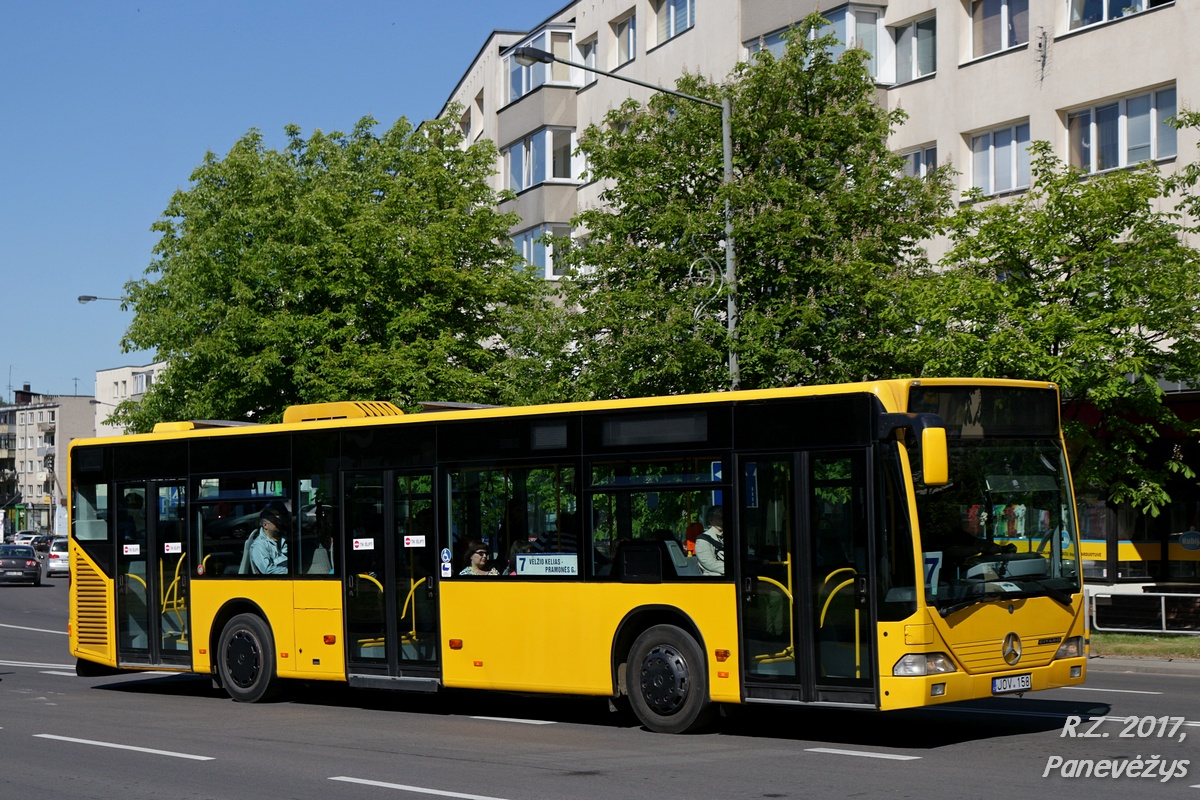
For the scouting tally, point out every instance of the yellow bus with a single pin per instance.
(852, 546)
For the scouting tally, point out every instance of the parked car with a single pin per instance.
(58, 563)
(19, 564)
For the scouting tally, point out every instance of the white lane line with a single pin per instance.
(863, 753)
(417, 789)
(1111, 691)
(123, 747)
(521, 721)
(36, 665)
(35, 630)
(59, 672)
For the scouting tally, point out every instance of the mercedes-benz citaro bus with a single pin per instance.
(880, 545)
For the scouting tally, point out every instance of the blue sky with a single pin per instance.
(108, 105)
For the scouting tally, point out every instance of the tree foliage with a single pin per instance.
(824, 224)
(1087, 282)
(356, 266)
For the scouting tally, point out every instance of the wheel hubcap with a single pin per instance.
(242, 659)
(664, 679)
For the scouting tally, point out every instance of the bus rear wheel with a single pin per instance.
(667, 681)
(246, 659)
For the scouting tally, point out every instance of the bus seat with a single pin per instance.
(247, 566)
(693, 530)
(640, 562)
(683, 565)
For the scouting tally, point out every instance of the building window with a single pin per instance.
(1123, 132)
(674, 17)
(1091, 12)
(920, 162)
(998, 25)
(1000, 159)
(589, 57)
(625, 30)
(542, 155)
(916, 49)
(522, 80)
(538, 253)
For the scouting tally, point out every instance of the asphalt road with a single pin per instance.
(156, 736)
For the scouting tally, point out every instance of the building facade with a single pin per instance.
(113, 386)
(979, 80)
(42, 427)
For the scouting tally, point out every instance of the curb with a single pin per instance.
(1160, 666)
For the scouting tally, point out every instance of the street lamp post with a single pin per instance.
(527, 56)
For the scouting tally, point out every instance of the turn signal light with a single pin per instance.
(330, 638)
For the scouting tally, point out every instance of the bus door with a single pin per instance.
(152, 574)
(807, 623)
(390, 552)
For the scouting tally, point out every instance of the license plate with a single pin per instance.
(1012, 683)
(15, 572)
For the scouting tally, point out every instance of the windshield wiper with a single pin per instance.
(982, 597)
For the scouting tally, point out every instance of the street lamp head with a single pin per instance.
(87, 298)
(528, 56)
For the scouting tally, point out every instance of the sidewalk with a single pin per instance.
(1160, 666)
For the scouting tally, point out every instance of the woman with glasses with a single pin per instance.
(477, 560)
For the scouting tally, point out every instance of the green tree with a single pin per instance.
(825, 225)
(356, 266)
(1087, 282)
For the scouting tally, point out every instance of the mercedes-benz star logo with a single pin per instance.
(1011, 649)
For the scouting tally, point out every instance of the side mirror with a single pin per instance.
(935, 459)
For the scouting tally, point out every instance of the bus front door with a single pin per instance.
(151, 575)
(807, 623)
(390, 595)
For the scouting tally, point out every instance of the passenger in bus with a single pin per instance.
(517, 549)
(477, 560)
(268, 545)
(710, 545)
(563, 540)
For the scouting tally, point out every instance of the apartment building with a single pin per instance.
(113, 386)
(41, 428)
(979, 79)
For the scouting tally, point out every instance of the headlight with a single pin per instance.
(1070, 648)
(923, 664)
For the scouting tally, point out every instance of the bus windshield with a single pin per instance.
(1002, 527)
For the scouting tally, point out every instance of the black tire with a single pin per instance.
(37, 581)
(667, 680)
(246, 659)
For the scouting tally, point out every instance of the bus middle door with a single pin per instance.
(390, 601)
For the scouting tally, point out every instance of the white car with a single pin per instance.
(57, 560)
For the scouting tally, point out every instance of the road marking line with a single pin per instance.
(1112, 691)
(417, 789)
(35, 630)
(863, 753)
(521, 721)
(35, 665)
(123, 747)
(59, 672)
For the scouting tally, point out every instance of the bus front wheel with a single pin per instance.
(667, 681)
(246, 659)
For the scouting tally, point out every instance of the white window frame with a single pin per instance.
(984, 148)
(673, 17)
(1110, 10)
(521, 80)
(920, 161)
(907, 38)
(1009, 39)
(1084, 130)
(624, 39)
(589, 56)
(538, 254)
(530, 161)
